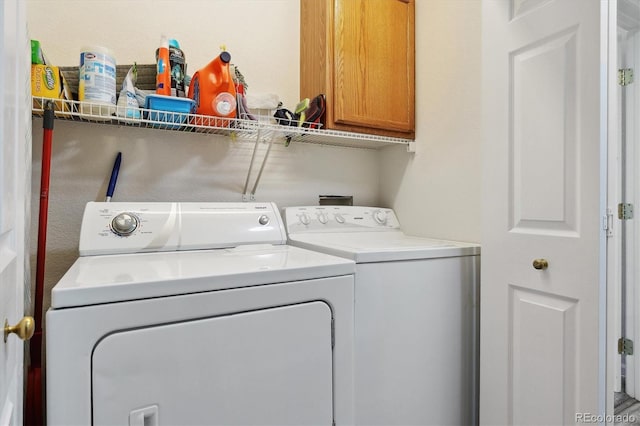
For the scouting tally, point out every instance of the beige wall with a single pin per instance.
(261, 35)
(263, 39)
(436, 192)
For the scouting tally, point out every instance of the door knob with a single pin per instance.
(540, 264)
(23, 329)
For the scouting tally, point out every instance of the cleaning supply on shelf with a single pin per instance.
(47, 81)
(314, 112)
(127, 103)
(308, 113)
(177, 68)
(242, 110)
(37, 57)
(178, 63)
(163, 72)
(168, 109)
(300, 111)
(263, 105)
(97, 81)
(141, 96)
(213, 89)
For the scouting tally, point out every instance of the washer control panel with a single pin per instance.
(125, 223)
(339, 219)
(112, 228)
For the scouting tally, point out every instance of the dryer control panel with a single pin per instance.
(340, 219)
(113, 228)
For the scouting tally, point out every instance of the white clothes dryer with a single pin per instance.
(416, 315)
(198, 314)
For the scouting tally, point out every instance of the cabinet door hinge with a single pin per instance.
(625, 211)
(625, 346)
(625, 76)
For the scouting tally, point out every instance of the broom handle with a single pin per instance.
(36, 342)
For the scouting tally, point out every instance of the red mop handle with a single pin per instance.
(47, 136)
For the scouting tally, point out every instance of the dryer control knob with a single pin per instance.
(305, 219)
(124, 224)
(323, 218)
(339, 218)
(380, 216)
(263, 220)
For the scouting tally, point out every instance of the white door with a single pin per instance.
(15, 172)
(541, 342)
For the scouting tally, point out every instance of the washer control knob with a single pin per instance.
(263, 220)
(305, 219)
(124, 224)
(380, 216)
(323, 218)
(339, 218)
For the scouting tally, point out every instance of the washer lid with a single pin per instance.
(365, 247)
(114, 278)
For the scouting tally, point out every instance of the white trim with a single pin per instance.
(607, 13)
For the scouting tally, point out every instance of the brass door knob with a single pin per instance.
(540, 264)
(23, 329)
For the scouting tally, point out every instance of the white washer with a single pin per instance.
(416, 315)
(208, 318)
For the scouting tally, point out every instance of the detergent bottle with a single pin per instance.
(213, 89)
(163, 75)
(177, 68)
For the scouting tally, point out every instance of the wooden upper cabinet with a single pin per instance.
(360, 54)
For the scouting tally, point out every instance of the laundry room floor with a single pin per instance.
(625, 406)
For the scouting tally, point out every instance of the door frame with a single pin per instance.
(609, 288)
(624, 318)
(608, 133)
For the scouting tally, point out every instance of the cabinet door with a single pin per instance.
(374, 64)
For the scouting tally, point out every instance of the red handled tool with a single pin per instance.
(34, 399)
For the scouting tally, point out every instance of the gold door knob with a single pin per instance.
(540, 264)
(23, 329)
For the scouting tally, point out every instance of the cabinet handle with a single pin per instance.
(405, 1)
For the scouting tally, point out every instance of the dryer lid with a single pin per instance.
(114, 278)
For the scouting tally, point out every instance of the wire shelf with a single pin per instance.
(262, 129)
